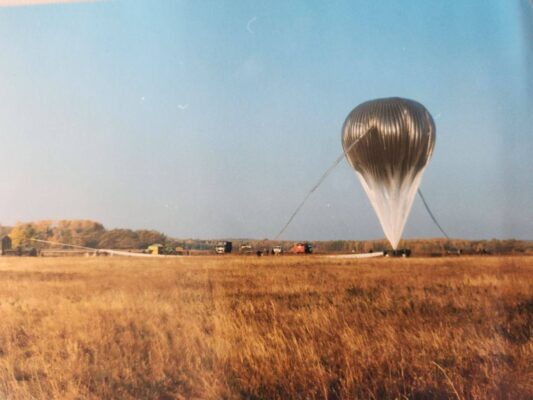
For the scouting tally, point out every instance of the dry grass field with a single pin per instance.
(266, 328)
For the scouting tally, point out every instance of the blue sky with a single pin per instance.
(213, 119)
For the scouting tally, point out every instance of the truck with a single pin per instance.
(223, 247)
(277, 250)
(246, 249)
(166, 250)
(302, 248)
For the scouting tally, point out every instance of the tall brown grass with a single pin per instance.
(274, 327)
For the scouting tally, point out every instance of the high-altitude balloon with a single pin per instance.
(389, 143)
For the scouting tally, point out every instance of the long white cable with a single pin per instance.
(106, 251)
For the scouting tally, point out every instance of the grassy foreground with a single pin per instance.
(287, 327)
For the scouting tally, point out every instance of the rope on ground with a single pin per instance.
(100, 251)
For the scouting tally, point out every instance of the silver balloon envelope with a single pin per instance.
(389, 143)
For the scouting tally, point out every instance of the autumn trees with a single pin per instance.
(83, 233)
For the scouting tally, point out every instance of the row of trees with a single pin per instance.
(429, 246)
(93, 234)
(82, 233)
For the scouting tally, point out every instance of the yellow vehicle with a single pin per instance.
(159, 249)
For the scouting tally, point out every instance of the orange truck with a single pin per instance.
(302, 248)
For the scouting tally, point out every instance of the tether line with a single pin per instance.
(431, 214)
(315, 187)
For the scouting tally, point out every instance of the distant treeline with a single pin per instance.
(82, 233)
(93, 234)
(432, 246)
(429, 246)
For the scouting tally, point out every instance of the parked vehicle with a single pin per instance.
(159, 249)
(246, 249)
(302, 248)
(277, 250)
(224, 247)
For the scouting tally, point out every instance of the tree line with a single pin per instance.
(93, 234)
(84, 233)
(430, 246)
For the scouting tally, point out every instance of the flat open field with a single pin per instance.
(261, 328)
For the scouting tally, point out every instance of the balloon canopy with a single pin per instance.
(389, 143)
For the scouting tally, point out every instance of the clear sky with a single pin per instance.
(214, 118)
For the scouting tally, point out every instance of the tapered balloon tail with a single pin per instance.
(389, 142)
(392, 200)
